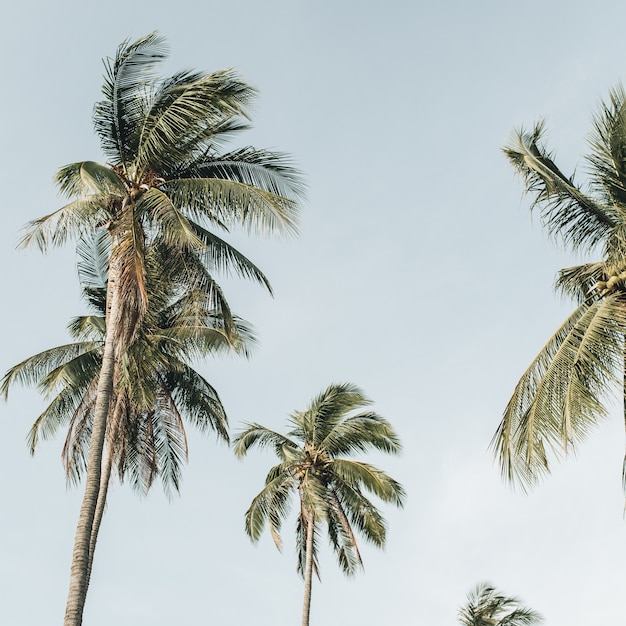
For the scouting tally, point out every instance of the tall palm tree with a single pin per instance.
(487, 607)
(314, 464)
(166, 183)
(155, 389)
(562, 395)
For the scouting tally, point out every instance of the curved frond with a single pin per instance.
(257, 435)
(69, 222)
(365, 476)
(126, 91)
(271, 505)
(559, 397)
(487, 607)
(87, 178)
(566, 210)
(183, 107)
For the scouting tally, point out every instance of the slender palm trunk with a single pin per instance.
(79, 573)
(308, 568)
(100, 506)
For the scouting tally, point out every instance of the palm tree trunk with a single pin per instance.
(308, 568)
(100, 506)
(79, 573)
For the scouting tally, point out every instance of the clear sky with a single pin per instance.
(418, 275)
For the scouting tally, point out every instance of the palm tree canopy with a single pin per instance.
(314, 463)
(486, 606)
(564, 392)
(156, 389)
(167, 179)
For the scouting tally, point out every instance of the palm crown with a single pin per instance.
(313, 463)
(562, 395)
(487, 607)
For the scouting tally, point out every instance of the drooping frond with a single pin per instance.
(582, 282)
(342, 537)
(70, 222)
(257, 435)
(566, 211)
(50, 367)
(362, 475)
(86, 178)
(94, 251)
(271, 505)
(301, 533)
(560, 396)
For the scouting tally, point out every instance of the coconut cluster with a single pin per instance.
(613, 283)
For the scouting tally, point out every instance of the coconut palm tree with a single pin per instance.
(155, 389)
(562, 395)
(167, 182)
(314, 464)
(487, 607)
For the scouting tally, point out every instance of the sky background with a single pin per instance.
(419, 275)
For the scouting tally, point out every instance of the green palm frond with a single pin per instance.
(67, 403)
(47, 365)
(94, 251)
(582, 282)
(560, 397)
(126, 88)
(608, 152)
(88, 178)
(485, 606)
(362, 432)
(565, 209)
(271, 505)
(363, 515)
(176, 230)
(301, 531)
(183, 108)
(222, 257)
(234, 203)
(257, 435)
(71, 221)
(362, 475)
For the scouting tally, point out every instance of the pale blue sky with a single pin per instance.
(419, 275)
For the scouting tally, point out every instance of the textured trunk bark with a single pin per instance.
(308, 569)
(79, 573)
(100, 506)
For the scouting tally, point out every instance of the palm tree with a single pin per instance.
(487, 607)
(313, 463)
(166, 183)
(155, 389)
(562, 395)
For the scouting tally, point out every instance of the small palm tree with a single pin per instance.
(487, 607)
(314, 464)
(562, 395)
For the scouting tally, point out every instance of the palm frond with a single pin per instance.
(566, 211)
(183, 107)
(126, 91)
(88, 178)
(271, 505)
(257, 435)
(560, 396)
(362, 475)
